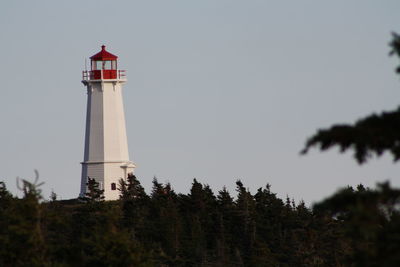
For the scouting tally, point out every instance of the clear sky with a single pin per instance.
(219, 90)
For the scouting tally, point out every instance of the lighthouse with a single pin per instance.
(106, 157)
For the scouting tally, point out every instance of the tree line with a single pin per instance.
(354, 227)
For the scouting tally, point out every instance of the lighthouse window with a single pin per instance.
(113, 186)
(99, 65)
(107, 65)
(104, 65)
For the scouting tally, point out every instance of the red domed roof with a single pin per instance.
(103, 55)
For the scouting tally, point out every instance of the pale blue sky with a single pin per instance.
(217, 90)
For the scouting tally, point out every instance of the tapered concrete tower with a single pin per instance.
(106, 157)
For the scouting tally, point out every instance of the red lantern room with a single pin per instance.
(103, 67)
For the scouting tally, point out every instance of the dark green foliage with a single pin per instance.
(93, 194)
(135, 203)
(374, 134)
(21, 236)
(371, 222)
(166, 229)
(354, 227)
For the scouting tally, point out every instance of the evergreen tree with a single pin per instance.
(94, 193)
(269, 210)
(135, 203)
(53, 196)
(166, 225)
(224, 225)
(246, 226)
(21, 237)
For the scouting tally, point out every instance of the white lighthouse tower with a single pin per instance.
(106, 157)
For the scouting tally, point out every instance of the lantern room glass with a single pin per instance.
(98, 65)
(104, 65)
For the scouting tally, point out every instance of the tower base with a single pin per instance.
(107, 174)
